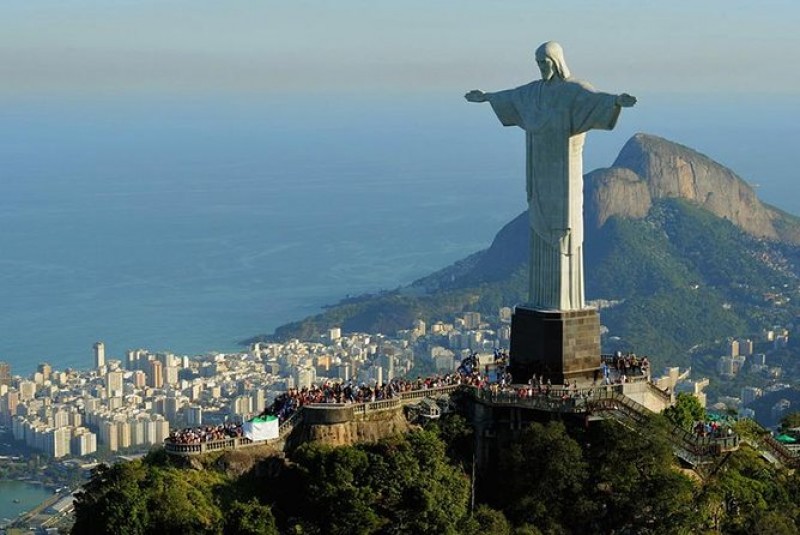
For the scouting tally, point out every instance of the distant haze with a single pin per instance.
(713, 46)
(180, 175)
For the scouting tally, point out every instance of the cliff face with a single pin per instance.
(371, 428)
(650, 168)
(615, 191)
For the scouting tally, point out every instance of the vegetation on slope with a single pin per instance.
(550, 479)
(683, 276)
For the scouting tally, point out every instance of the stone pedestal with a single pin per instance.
(556, 344)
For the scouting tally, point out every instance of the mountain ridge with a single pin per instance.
(649, 167)
(700, 240)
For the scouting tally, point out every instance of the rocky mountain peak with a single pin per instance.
(650, 168)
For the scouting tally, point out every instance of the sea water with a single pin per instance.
(188, 224)
(16, 497)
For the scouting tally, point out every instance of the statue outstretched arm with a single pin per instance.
(476, 95)
(625, 100)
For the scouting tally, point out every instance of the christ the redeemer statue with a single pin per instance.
(555, 112)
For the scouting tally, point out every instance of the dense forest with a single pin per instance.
(551, 478)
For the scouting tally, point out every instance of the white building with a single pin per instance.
(83, 442)
(99, 354)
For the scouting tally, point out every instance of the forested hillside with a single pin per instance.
(551, 479)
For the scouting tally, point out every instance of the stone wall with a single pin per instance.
(368, 428)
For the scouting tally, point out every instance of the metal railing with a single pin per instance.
(290, 423)
(608, 399)
(781, 452)
(210, 446)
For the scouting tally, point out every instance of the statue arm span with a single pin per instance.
(504, 107)
(593, 110)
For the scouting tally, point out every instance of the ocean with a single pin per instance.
(189, 223)
(16, 497)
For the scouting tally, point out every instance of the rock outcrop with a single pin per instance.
(650, 168)
(370, 428)
(615, 191)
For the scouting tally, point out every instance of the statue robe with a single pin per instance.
(555, 116)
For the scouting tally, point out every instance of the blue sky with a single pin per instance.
(164, 46)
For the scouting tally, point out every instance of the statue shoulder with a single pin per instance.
(579, 85)
(523, 92)
(530, 86)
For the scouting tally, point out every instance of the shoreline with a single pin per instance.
(34, 508)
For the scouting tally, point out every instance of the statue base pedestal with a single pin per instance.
(555, 344)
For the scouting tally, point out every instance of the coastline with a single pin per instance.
(28, 506)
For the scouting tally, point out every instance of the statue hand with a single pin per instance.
(625, 100)
(476, 95)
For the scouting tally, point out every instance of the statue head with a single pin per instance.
(550, 58)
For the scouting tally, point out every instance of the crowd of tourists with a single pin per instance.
(537, 388)
(711, 430)
(629, 364)
(206, 433)
(494, 381)
(287, 404)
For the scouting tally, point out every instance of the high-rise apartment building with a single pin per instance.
(387, 363)
(304, 377)
(123, 435)
(259, 400)
(745, 347)
(171, 375)
(99, 354)
(139, 379)
(114, 384)
(83, 442)
(171, 407)
(27, 390)
(109, 435)
(46, 370)
(749, 394)
(194, 415)
(57, 442)
(156, 376)
(241, 407)
(419, 327)
(5, 373)
(60, 418)
(472, 320)
(8, 406)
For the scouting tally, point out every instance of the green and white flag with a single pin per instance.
(262, 428)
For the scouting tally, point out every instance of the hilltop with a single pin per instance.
(680, 243)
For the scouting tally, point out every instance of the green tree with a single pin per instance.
(790, 421)
(632, 476)
(750, 495)
(421, 491)
(135, 498)
(540, 479)
(339, 494)
(113, 501)
(183, 501)
(403, 484)
(774, 523)
(454, 430)
(686, 410)
(485, 520)
(249, 518)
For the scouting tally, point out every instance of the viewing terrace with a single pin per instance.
(596, 402)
